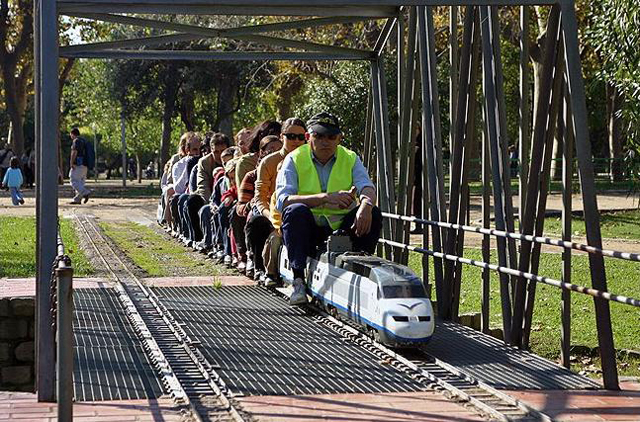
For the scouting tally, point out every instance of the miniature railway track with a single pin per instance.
(435, 373)
(188, 376)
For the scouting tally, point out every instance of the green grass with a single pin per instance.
(623, 278)
(613, 225)
(18, 247)
(155, 254)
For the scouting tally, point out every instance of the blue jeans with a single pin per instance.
(204, 213)
(302, 235)
(222, 225)
(16, 196)
(183, 224)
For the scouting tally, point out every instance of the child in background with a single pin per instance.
(13, 180)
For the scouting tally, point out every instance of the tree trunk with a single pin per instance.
(226, 99)
(186, 109)
(139, 167)
(170, 93)
(614, 105)
(15, 101)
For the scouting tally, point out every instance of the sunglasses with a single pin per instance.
(294, 136)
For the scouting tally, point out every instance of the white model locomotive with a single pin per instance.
(384, 298)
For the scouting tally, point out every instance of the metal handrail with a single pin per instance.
(522, 237)
(62, 310)
(529, 276)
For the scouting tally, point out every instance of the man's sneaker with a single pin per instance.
(242, 266)
(85, 198)
(257, 276)
(21, 201)
(74, 202)
(227, 260)
(234, 261)
(299, 295)
(270, 281)
(250, 268)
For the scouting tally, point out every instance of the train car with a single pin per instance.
(385, 299)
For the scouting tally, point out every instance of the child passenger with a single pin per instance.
(13, 180)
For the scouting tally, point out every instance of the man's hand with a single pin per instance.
(362, 223)
(227, 201)
(341, 199)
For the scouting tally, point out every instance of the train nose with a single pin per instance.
(409, 319)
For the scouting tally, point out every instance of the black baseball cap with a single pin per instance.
(324, 124)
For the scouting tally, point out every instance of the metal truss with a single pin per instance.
(561, 110)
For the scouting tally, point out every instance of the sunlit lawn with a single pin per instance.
(623, 278)
(18, 246)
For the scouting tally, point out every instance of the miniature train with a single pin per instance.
(385, 299)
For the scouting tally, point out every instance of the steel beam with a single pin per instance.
(541, 127)
(300, 3)
(579, 123)
(384, 35)
(215, 55)
(556, 101)
(453, 75)
(465, 132)
(567, 190)
(216, 33)
(130, 43)
(524, 128)
(384, 201)
(431, 135)
(376, 12)
(47, 200)
(486, 223)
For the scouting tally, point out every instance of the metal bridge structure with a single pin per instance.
(560, 111)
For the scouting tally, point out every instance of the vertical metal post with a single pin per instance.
(579, 125)
(368, 129)
(401, 75)
(124, 149)
(486, 239)
(543, 111)
(567, 173)
(464, 134)
(453, 76)
(495, 134)
(430, 133)
(525, 112)
(382, 186)
(405, 182)
(47, 200)
(64, 364)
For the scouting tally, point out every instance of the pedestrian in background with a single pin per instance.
(13, 180)
(78, 164)
(6, 154)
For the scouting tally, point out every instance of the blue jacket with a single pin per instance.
(12, 178)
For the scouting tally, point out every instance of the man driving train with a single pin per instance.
(321, 187)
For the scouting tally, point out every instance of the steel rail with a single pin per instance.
(155, 351)
(525, 237)
(510, 271)
(455, 382)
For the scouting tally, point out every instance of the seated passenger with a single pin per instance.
(322, 187)
(220, 185)
(263, 228)
(167, 188)
(246, 163)
(216, 143)
(180, 174)
(245, 208)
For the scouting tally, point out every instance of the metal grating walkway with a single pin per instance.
(110, 363)
(491, 361)
(262, 346)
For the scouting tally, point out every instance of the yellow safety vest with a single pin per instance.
(341, 178)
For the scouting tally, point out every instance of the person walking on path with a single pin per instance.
(321, 187)
(78, 167)
(13, 180)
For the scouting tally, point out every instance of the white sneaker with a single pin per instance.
(299, 295)
(227, 260)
